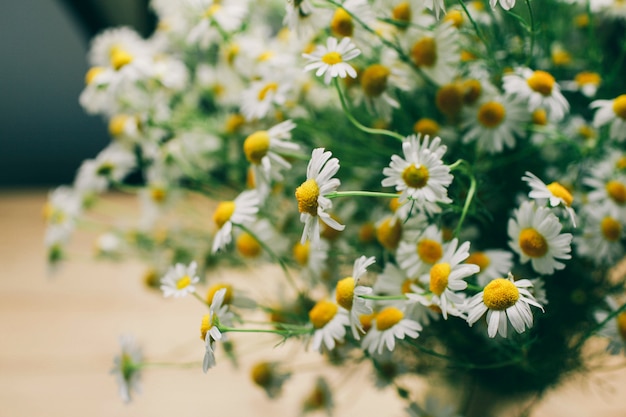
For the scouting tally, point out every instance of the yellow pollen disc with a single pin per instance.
(449, 99)
(183, 282)
(269, 87)
(93, 73)
(367, 232)
(429, 250)
(467, 56)
(583, 78)
(210, 12)
(617, 191)
(582, 20)
(248, 246)
(328, 232)
(425, 126)
(307, 195)
(117, 124)
(586, 132)
(228, 295)
(447, 234)
(394, 204)
(265, 56)
(345, 293)
(222, 214)
(256, 146)
(533, 244)
(152, 278)
(119, 58)
(619, 106)
(455, 17)
(541, 82)
(322, 313)
(415, 177)
(561, 192)
(439, 274)
(478, 5)
(234, 122)
(500, 294)
(402, 12)
(491, 114)
(261, 374)
(389, 233)
(621, 324)
(374, 80)
(406, 286)
(611, 229)
(158, 194)
(301, 252)
(205, 326)
(341, 23)
(424, 52)
(621, 164)
(540, 117)
(480, 259)
(561, 58)
(472, 89)
(388, 317)
(332, 58)
(366, 321)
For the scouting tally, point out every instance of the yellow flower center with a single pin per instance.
(586, 77)
(234, 122)
(540, 117)
(52, 215)
(301, 252)
(374, 80)
(425, 126)
(117, 124)
(619, 106)
(256, 146)
(345, 293)
(322, 313)
(429, 251)
(621, 324)
(480, 259)
(205, 326)
(561, 58)
(449, 99)
(586, 132)
(467, 56)
(472, 89)
(341, 24)
(402, 12)
(331, 58)
(533, 244)
(415, 177)
(620, 165)
(388, 317)
(307, 195)
(406, 286)
(269, 87)
(561, 192)
(265, 56)
(183, 282)
(611, 229)
(328, 232)
(500, 294)
(581, 20)
(366, 321)
(439, 274)
(367, 232)
(389, 233)
(248, 246)
(93, 73)
(617, 191)
(119, 58)
(541, 82)
(222, 214)
(424, 52)
(455, 17)
(261, 374)
(158, 194)
(228, 295)
(491, 114)
(210, 12)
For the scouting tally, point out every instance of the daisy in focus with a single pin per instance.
(554, 193)
(417, 256)
(127, 368)
(348, 292)
(329, 323)
(613, 114)
(539, 89)
(505, 301)
(209, 329)
(330, 60)
(389, 324)
(239, 211)
(180, 280)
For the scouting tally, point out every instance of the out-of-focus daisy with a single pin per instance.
(209, 331)
(239, 211)
(112, 164)
(493, 263)
(388, 325)
(586, 82)
(536, 236)
(602, 235)
(539, 89)
(270, 376)
(609, 190)
(554, 193)
(180, 280)
(312, 203)
(312, 259)
(109, 245)
(329, 321)
(62, 209)
(330, 60)
(347, 294)
(127, 368)
(208, 17)
(421, 175)
(342, 25)
(436, 53)
(302, 17)
(505, 4)
(612, 113)
(417, 256)
(320, 398)
(262, 95)
(436, 6)
(248, 244)
(505, 301)
(614, 329)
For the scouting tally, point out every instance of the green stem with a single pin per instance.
(532, 30)
(468, 201)
(600, 325)
(336, 194)
(460, 364)
(383, 297)
(199, 297)
(474, 24)
(284, 333)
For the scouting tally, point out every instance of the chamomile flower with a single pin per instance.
(601, 240)
(302, 17)
(539, 89)
(586, 82)
(614, 329)
(127, 368)
(112, 164)
(389, 324)
(554, 193)
(248, 243)
(62, 209)
(329, 322)
(505, 301)
(209, 330)
(313, 259)
(535, 235)
(607, 189)
(263, 95)
(270, 376)
(505, 4)
(239, 211)
(493, 263)
(417, 256)
(348, 292)
(612, 113)
(436, 53)
(421, 175)
(209, 18)
(312, 203)
(330, 60)
(179, 280)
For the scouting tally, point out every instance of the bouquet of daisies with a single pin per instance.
(441, 184)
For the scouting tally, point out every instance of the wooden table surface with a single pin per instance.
(59, 333)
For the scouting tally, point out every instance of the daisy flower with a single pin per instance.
(417, 256)
(554, 193)
(112, 164)
(62, 209)
(586, 82)
(348, 292)
(207, 18)
(248, 245)
(330, 60)
(179, 280)
(239, 211)
(312, 203)
(612, 113)
(614, 329)
(436, 6)
(421, 175)
(262, 95)
(536, 236)
(505, 4)
(607, 189)
(601, 237)
(329, 321)
(313, 259)
(493, 263)
(127, 367)
(388, 325)
(538, 89)
(504, 300)
(302, 17)
(209, 331)
(436, 53)
(270, 377)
